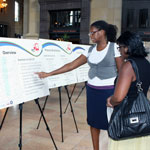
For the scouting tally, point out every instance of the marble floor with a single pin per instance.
(39, 139)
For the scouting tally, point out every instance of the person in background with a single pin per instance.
(104, 61)
(131, 47)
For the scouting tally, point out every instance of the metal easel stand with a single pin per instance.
(47, 127)
(60, 104)
(20, 131)
(61, 119)
(42, 111)
(69, 98)
(1, 125)
(80, 93)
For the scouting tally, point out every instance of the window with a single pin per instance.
(65, 18)
(130, 18)
(16, 11)
(143, 18)
(3, 30)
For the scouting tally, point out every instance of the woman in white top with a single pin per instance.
(104, 61)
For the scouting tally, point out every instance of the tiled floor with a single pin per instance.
(33, 139)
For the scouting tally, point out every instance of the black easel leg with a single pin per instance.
(80, 92)
(61, 119)
(42, 111)
(69, 98)
(47, 127)
(4, 118)
(20, 133)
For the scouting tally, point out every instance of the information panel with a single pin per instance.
(19, 60)
(56, 54)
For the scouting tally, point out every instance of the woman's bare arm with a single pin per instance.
(119, 62)
(126, 76)
(68, 67)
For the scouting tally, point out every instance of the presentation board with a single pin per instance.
(19, 60)
(56, 54)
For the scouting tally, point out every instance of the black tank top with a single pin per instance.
(144, 74)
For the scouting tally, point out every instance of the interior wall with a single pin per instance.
(7, 18)
(108, 10)
(48, 5)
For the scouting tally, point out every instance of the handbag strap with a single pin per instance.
(135, 68)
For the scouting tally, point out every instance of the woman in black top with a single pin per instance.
(131, 47)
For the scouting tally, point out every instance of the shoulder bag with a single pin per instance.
(131, 118)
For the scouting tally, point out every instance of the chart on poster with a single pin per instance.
(19, 60)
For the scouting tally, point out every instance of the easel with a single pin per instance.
(80, 92)
(4, 118)
(42, 111)
(70, 97)
(20, 131)
(60, 104)
(72, 94)
(47, 127)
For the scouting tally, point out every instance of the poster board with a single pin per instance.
(56, 54)
(19, 60)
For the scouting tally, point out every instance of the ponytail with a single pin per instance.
(111, 33)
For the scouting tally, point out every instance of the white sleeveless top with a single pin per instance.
(96, 57)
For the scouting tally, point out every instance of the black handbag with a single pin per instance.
(131, 118)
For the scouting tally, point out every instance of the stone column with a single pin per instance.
(85, 21)
(31, 19)
(108, 10)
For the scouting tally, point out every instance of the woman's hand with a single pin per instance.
(108, 102)
(42, 74)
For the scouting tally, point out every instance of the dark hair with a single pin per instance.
(110, 30)
(133, 42)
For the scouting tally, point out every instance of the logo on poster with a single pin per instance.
(35, 47)
(68, 47)
(11, 102)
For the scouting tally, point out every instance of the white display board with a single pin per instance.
(56, 54)
(82, 71)
(19, 60)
